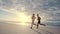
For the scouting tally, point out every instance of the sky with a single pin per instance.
(14, 10)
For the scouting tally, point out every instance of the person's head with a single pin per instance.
(33, 14)
(38, 15)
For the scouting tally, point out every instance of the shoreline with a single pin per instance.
(9, 28)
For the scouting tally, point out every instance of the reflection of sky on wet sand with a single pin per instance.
(12, 28)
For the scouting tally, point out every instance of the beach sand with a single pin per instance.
(7, 28)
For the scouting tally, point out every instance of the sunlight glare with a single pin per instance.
(23, 18)
(23, 24)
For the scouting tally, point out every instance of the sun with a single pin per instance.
(22, 17)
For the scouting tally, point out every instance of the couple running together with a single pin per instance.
(38, 19)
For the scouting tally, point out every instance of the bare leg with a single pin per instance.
(37, 25)
(42, 24)
(32, 24)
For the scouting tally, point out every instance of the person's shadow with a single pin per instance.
(36, 31)
(47, 32)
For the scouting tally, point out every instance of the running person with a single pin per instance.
(39, 21)
(33, 19)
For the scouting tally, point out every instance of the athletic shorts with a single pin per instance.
(38, 22)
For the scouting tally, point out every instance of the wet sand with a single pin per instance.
(7, 28)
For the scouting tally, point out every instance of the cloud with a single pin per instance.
(50, 9)
(7, 15)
